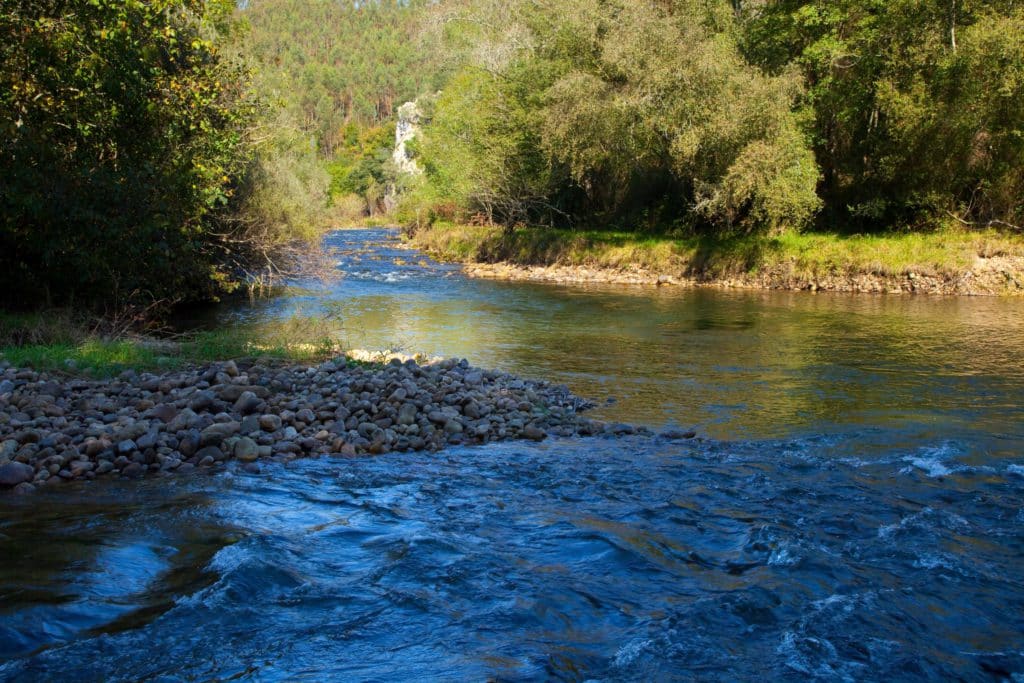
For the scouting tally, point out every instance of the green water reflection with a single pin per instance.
(733, 364)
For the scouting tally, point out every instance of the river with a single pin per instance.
(853, 507)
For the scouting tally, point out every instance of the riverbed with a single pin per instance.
(852, 509)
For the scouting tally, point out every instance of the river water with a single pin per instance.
(853, 508)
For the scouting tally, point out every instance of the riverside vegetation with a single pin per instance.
(731, 123)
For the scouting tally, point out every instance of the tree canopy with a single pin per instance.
(726, 116)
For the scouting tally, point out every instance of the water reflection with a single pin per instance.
(733, 364)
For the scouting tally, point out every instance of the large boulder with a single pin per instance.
(216, 433)
(14, 473)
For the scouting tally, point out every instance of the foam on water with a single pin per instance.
(936, 461)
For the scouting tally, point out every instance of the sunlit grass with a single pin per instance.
(74, 349)
(812, 254)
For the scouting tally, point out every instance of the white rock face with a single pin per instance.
(408, 125)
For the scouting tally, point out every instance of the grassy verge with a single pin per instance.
(943, 253)
(58, 341)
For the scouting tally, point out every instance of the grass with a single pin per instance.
(59, 341)
(944, 252)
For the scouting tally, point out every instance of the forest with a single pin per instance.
(751, 117)
(180, 150)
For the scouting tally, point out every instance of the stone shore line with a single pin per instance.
(996, 276)
(55, 429)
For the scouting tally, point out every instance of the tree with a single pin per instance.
(124, 125)
(564, 114)
(913, 105)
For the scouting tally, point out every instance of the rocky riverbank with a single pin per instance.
(944, 263)
(995, 276)
(55, 429)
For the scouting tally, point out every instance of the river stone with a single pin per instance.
(210, 452)
(216, 433)
(453, 427)
(133, 470)
(251, 468)
(28, 436)
(248, 403)
(407, 414)
(675, 434)
(6, 386)
(80, 467)
(246, 450)
(189, 443)
(270, 423)
(104, 467)
(250, 425)
(367, 430)
(534, 433)
(14, 473)
(233, 392)
(203, 400)
(126, 446)
(472, 410)
(347, 450)
(147, 441)
(164, 412)
(182, 420)
(95, 447)
(306, 415)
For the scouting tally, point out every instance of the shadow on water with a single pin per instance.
(853, 510)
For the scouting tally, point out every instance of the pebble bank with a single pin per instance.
(55, 428)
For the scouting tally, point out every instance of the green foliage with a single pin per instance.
(483, 150)
(340, 62)
(282, 199)
(123, 128)
(340, 69)
(566, 116)
(133, 166)
(914, 104)
(361, 166)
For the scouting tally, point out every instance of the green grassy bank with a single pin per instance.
(792, 260)
(60, 341)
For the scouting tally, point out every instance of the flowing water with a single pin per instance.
(853, 508)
